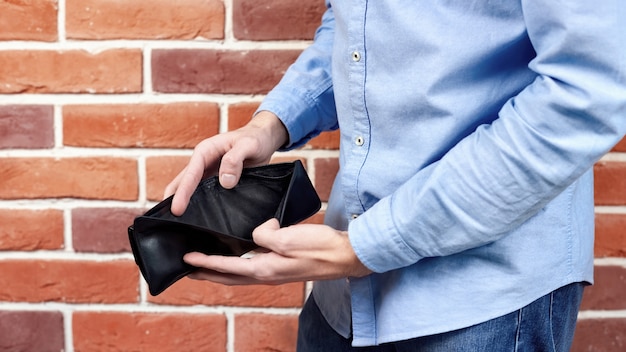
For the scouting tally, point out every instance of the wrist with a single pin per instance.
(272, 126)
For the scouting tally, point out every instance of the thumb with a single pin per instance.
(265, 234)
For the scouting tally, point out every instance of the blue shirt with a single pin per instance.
(468, 131)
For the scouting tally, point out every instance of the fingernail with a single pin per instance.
(228, 180)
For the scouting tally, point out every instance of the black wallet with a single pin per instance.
(218, 220)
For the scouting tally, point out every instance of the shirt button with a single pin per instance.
(354, 216)
(359, 141)
(356, 56)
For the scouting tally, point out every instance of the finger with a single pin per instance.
(221, 278)
(232, 163)
(230, 169)
(265, 234)
(222, 264)
(170, 189)
(186, 182)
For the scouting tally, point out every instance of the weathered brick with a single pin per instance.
(72, 281)
(26, 126)
(621, 146)
(72, 71)
(102, 230)
(610, 183)
(608, 291)
(600, 335)
(219, 71)
(176, 125)
(144, 19)
(31, 331)
(325, 172)
(121, 331)
(27, 230)
(240, 114)
(194, 292)
(265, 332)
(94, 178)
(28, 20)
(160, 171)
(276, 19)
(610, 238)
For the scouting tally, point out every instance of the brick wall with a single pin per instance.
(101, 102)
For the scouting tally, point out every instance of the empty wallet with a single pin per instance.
(218, 220)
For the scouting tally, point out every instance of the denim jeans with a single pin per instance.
(546, 324)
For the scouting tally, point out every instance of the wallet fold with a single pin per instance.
(218, 220)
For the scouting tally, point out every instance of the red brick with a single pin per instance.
(610, 238)
(608, 291)
(113, 331)
(264, 332)
(177, 125)
(160, 171)
(26, 126)
(144, 19)
(325, 172)
(71, 281)
(94, 178)
(610, 183)
(240, 114)
(28, 20)
(621, 146)
(27, 230)
(102, 230)
(219, 71)
(276, 19)
(31, 331)
(194, 292)
(72, 71)
(326, 140)
(600, 335)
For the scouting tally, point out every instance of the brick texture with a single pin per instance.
(233, 71)
(27, 230)
(28, 20)
(610, 183)
(179, 125)
(600, 335)
(31, 331)
(94, 178)
(68, 281)
(73, 71)
(264, 332)
(26, 126)
(102, 230)
(193, 292)
(609, 290)
(621, 146)
(610, 235)
(276, 19)
(112, 331)
(145, 19)
(160, 170)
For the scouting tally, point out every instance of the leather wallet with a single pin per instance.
(218, 220)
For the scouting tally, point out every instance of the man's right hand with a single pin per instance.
(227, 154)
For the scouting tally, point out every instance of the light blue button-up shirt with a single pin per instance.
(468, 131)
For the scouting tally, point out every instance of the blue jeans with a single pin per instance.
(547, 324)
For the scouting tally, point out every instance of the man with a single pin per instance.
(462, 214)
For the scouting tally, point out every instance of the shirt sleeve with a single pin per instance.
(303, 100)
(543, 140)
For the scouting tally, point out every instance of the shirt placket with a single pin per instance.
(363, 311)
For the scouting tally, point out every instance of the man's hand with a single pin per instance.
(251, 145)
(295, 253)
